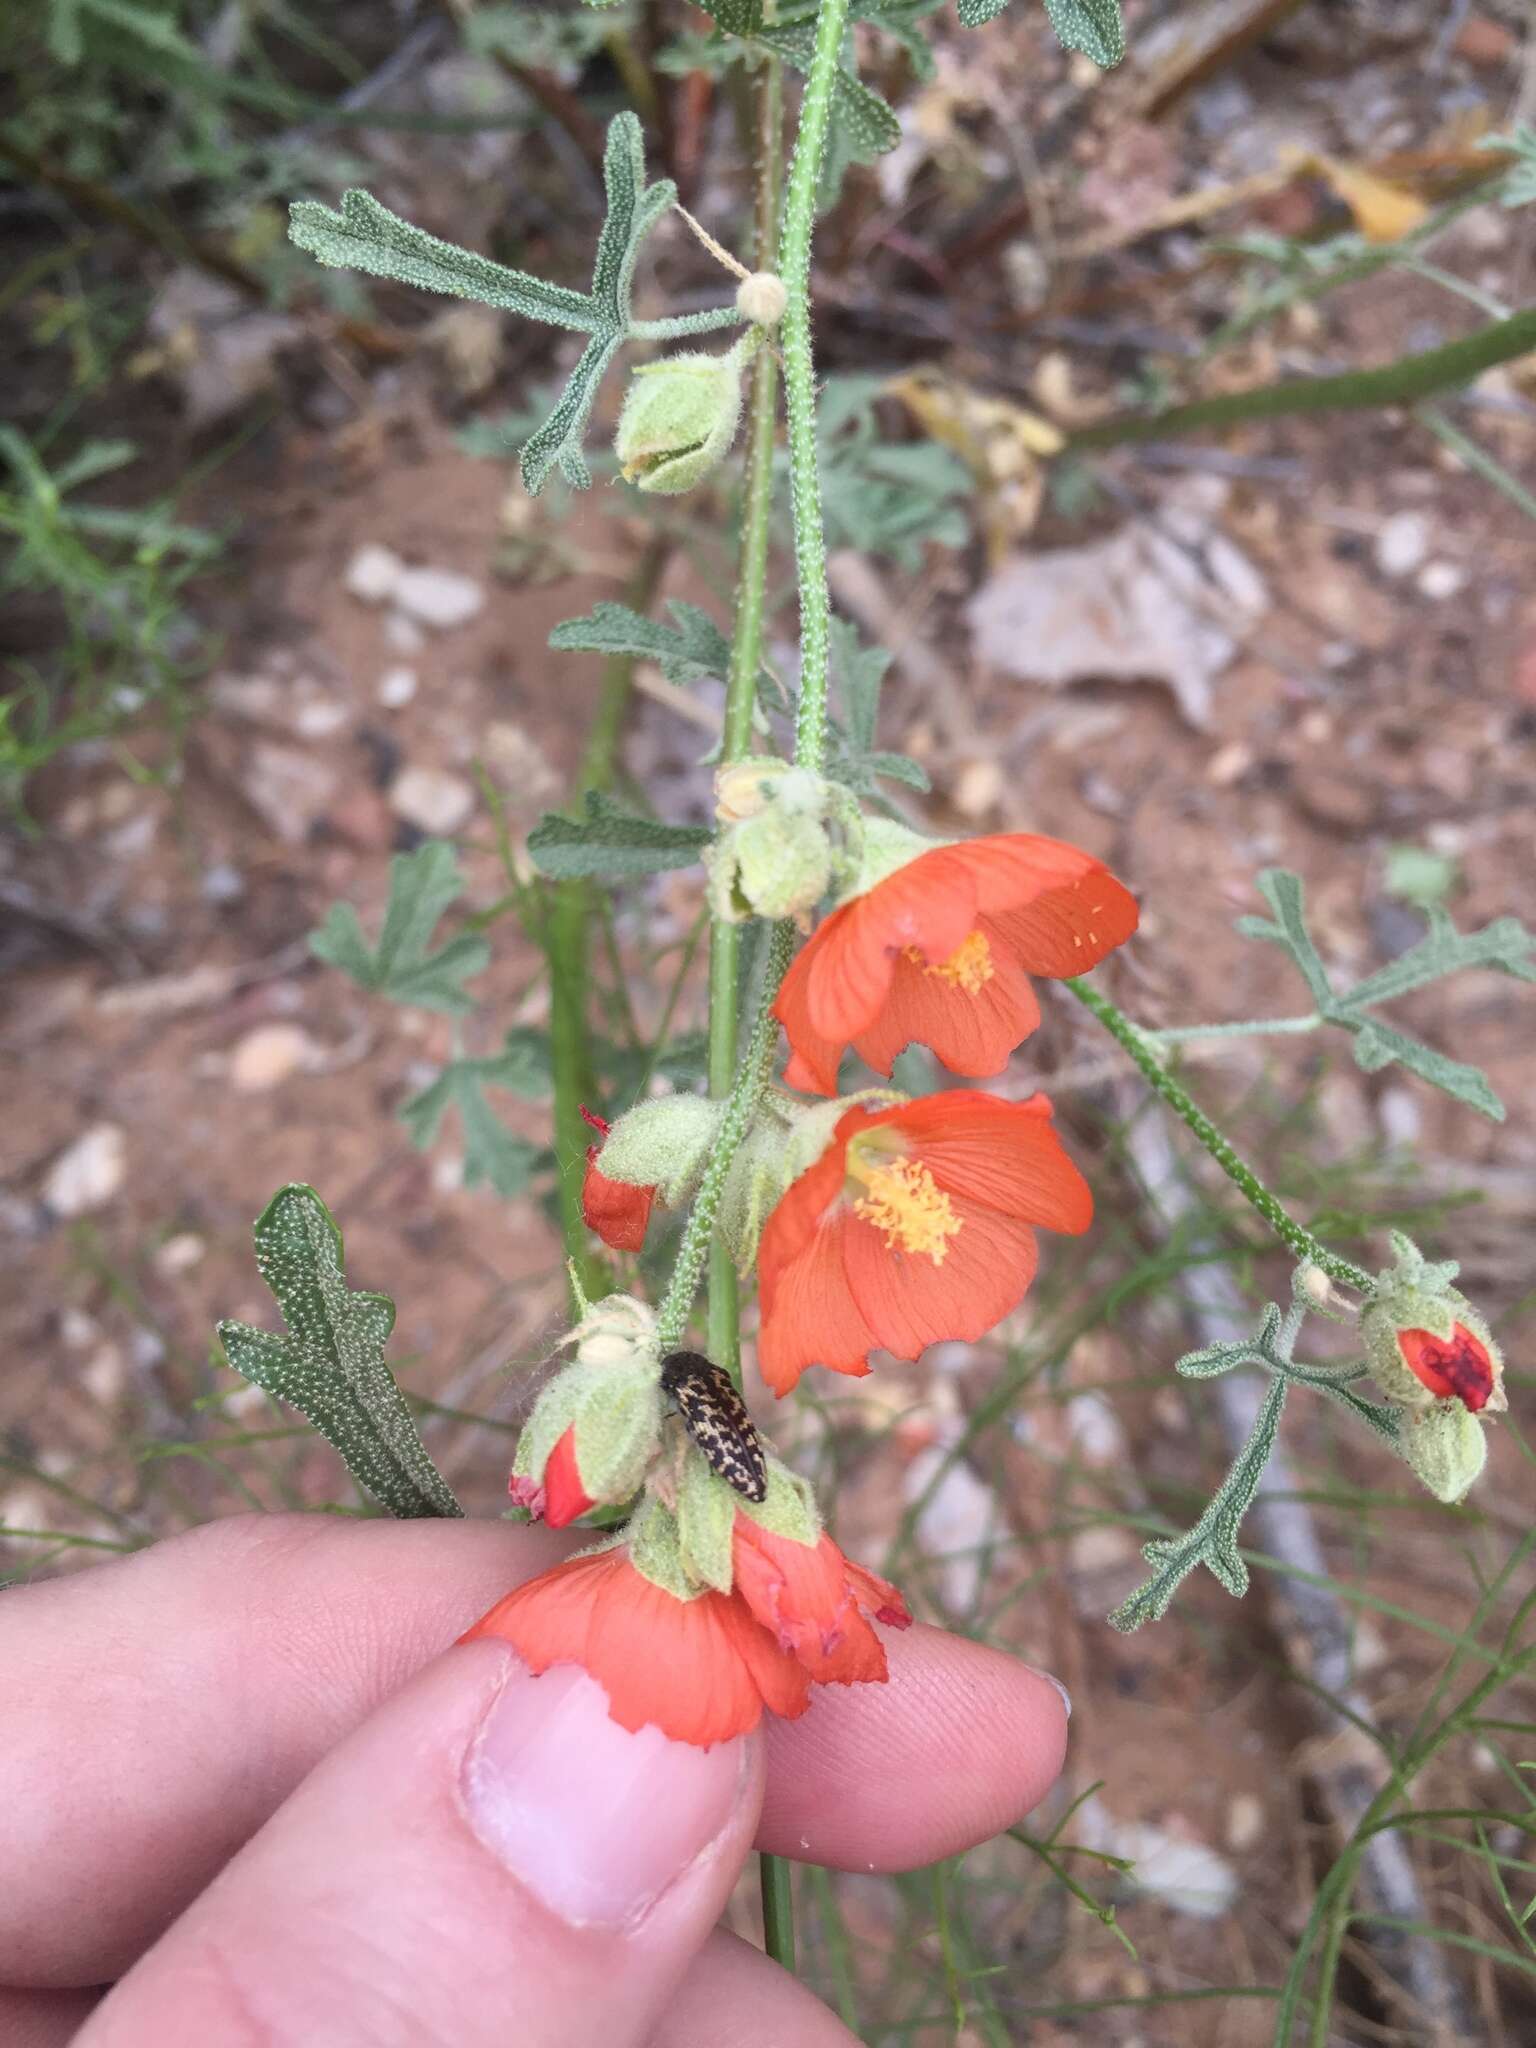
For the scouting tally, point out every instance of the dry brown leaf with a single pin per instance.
(1002, 444)
(1383, 212)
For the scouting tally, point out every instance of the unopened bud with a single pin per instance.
(679, 420)
(789, 836)
(1426, 1343)
(662, 1144)
(762, 298)
(1446, 1447)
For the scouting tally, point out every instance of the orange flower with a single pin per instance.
(912, 1227)
(808, 1596)
(939, 954)
(1459, 1367)
(564, 1495)
(702, 1670)
(618, 1212)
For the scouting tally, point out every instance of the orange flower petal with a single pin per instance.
(1070, 929)
(1004, 1154)
(909, 1302)
(929, 904)
(809, 1316)
(684, 1666)
(800, 1593)
(1458, 1367)
(814, 1058)
(971, 1034)
(877, 1595)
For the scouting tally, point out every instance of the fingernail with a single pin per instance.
(595, 1821)
(1051, 1679)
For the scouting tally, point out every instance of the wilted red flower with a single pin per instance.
(808, 1596)
(939, 954)
(913, 1226)
(700, 1670)
(1457, 1367)
(618, 1212)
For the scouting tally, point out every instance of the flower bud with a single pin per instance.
(1426, 1343)
(788, 836)
(662, 1145)
(1446, 1447)
(762, 298)
(617, 1209)
(595, 1428)
(678, 421)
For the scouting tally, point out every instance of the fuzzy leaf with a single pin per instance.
(1378, 1045)
(491, 1152)
(859, 673)
(613, 842)
(1286, 896)
(1505, 945)
(1092, 26)
(1213, 1540)
(422, 885)
(331, 1365)
(685, 652)
(366, 236)
(1265, 1347)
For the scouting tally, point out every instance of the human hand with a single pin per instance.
(241, 1785)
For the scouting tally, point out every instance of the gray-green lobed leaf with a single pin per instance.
(364, 235)
(491, 1152)
(692, 648)
(613, 842)
(1092, 26)
(331, 1365)
(422, 885)
(1505, 947)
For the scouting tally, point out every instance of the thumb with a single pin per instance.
(490, 1855)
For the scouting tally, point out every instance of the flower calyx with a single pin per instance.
(788, 839)
(680, 417)
(1426, 1343)
(595, 1428)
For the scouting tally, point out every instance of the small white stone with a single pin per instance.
(1440, 580)
(179, 1254)
(319, 718)
(88, 1173)
(978, 788)
(440, 598)
(270, 1055)
(431, 799)
(1402, 544)
(290, 789)
(397, 686)
(374, 573)
(1245, 1821)
(103, 1376)
(77, 1329)
(403, 635)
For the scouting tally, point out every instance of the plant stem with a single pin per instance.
(1399, 383)
(1263, 1027)
(566, 945)
(778, 1911)
(724, 1332)
(800, 385)
(1291, 1233)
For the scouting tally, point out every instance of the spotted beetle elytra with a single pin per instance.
(716, 1418)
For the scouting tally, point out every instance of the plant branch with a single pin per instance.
(1399, 383)
(1285, 1227)
(724, 1333)
(800, 384)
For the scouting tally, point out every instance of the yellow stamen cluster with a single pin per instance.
(902, 1199)
(969, 967)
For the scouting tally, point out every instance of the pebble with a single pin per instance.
(1439, 580)
(179, 1254)
(403, 635)
(1245, 1821)
(978, 788)
(1402, 544)
(270, 1055)
(1402, 1124)
(397, 686)
(88, 1173)
(374, 573)
(222, 883)
(319, 717)
(433, 800)
(104, 1376)
(440, 598)
(289, 790)
(77, 1329)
